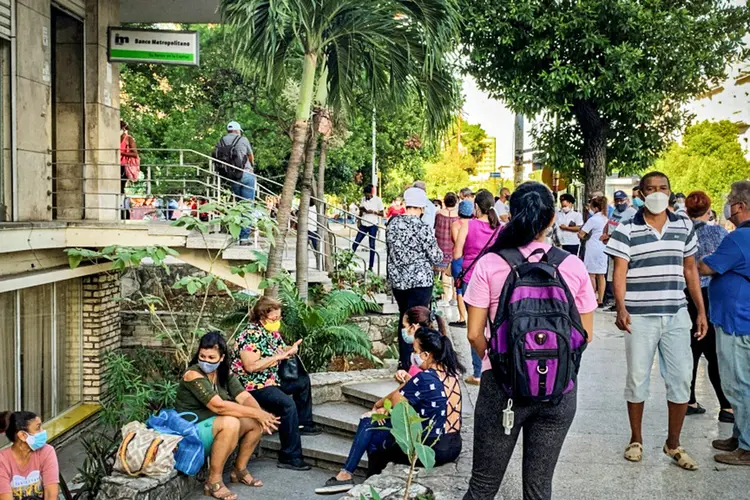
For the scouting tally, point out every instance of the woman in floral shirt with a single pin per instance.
(255, 360)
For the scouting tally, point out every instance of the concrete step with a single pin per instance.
(389, 308)
(339, 418)
(326, 451)
(209, 241)
(382, 298)
(367, 393)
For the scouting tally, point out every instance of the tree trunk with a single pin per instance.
(594, 130)
(303, 260)
(518, 167)
(322, 219)
(299, 134)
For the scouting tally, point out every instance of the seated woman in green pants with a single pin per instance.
(227, 414)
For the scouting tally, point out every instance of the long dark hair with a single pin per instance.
(11, 423)
(426, 317)
(441, 348)
(532, 208)
(486, 204)
(215, 340)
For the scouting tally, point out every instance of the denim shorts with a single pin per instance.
(456, 268)
(670, 336)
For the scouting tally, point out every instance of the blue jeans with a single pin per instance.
(368, 439)
(734, 367)
(245, 191)
(476, 364)
(372, 232)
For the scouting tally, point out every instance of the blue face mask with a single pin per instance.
(637, 202)
(207, 367)
(37, 441)
(408, 338)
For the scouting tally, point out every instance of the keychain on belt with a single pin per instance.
(508, 417)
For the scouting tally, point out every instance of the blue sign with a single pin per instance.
(495, 175)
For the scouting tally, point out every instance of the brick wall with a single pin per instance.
(101, 329)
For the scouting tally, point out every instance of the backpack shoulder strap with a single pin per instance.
(556, 256)
(512, 256)
(235, 141)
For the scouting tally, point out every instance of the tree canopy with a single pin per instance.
(607, 78)
(709, 159)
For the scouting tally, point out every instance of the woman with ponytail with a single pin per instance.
(544, 424)
(435, 394)
(474, 239)
(28, 467)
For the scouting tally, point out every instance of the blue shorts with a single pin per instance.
(456, 268)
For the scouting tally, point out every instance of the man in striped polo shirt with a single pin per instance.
(654, 258)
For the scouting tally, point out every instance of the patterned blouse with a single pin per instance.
(257, 339)
(709, 239)
(412, 252)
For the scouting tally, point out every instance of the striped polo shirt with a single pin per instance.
(655, 280)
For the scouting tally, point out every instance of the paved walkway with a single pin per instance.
(591, 465)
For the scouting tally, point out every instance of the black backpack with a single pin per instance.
(228, 154)
(536, 339)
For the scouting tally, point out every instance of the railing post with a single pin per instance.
(148, 180)
(182, 157)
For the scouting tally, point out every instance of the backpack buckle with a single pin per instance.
(540, 368)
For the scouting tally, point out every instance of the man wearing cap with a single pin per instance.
(622, 213)
(430, 212)
(246, 187)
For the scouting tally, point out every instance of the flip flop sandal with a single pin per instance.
(244, 477)
(634, 452)
(680, 456)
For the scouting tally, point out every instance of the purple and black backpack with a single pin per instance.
(537, 338)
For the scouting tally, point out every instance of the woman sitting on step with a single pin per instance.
(415, 318)
(435, 394)
(227, 414)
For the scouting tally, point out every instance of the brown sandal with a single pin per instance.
(680, 456)
(244, 477)
(212, 490)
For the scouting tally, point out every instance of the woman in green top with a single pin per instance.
(227, 414)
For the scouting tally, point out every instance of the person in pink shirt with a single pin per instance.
(544, 424)
(28, 468)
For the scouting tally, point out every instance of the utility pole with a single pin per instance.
(374, 152)
(518, 150)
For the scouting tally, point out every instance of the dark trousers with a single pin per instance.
(572, 249)
(372, 232)
(406, 299)
(544, 429)
(314, 240)
(292, 401)
(706, 347)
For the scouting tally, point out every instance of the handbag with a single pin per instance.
(291, 369)
(132, 166)
(145, 452)
(460, 278)
(190, 454)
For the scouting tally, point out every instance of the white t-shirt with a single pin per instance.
(312, 219)
(564, 219)
(501, 208)
(375, 204)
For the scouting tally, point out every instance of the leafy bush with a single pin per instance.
(325, 326)
(345, 276)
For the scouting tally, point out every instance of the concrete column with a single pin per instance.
(101, 329)
(33, 96)
(102, 113)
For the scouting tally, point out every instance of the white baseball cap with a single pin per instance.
(233, 127)
(415, 197)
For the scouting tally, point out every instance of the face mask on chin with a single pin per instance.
(657, 203)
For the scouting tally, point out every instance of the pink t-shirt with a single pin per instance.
(28, 482)
(491, 271)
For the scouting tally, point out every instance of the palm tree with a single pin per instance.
(394, 46)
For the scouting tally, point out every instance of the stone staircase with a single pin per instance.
(339, 420)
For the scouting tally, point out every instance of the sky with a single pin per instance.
(493, 116)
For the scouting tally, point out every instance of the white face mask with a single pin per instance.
(566, 209)
(656, 203)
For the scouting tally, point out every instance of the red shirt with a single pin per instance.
(392, 211)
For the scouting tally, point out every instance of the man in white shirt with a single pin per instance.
(430, 212)
(371, 209)
(569, 223)
(501, 205)
(312, 226)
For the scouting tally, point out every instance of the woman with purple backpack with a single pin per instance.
(511, 401)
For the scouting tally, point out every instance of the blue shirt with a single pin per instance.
(729, 291)
(709, 239)
(426, 394)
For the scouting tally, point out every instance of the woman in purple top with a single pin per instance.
(473, 239)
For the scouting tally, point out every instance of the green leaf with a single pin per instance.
(74, 260)
(426, 455)
(192, 287)
(388, 405)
